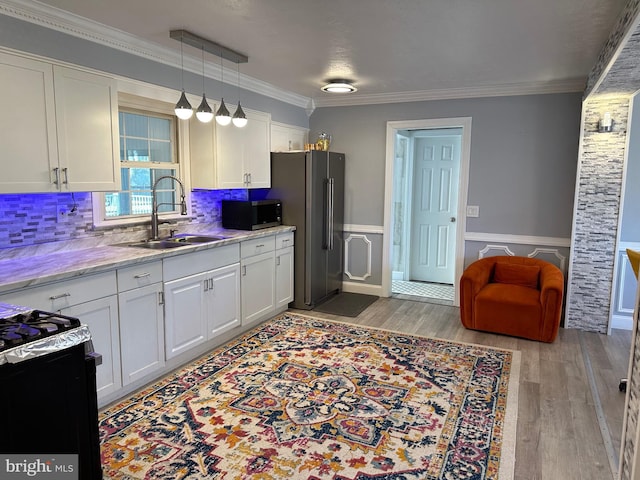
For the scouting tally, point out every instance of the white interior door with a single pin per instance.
(435, 205)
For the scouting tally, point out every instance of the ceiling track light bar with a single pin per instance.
(208, 46)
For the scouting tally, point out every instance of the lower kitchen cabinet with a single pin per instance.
(284, 277)
(223, 301)
(258, 287)
(101, 316)
(185, 313)
(141, 332)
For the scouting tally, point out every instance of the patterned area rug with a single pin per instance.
(304, 398)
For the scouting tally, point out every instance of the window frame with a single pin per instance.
(148, 106)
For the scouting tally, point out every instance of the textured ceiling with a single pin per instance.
(384, 46)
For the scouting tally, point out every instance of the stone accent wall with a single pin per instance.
(32, 219)
(624, 23)
(596, 212)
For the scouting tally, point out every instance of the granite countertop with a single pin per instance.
(43, 264)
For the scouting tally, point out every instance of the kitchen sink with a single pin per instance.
(181, 240)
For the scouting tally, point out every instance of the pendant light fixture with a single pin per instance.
(239, 118)
(223, 117)
(183, 109)
(204, 113)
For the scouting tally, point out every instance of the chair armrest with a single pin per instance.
(474, 277)
(551, 296)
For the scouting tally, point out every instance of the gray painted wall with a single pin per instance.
(524, 152)
(31, 38)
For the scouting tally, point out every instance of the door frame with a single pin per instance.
(463, 183)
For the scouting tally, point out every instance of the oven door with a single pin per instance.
(49, 406)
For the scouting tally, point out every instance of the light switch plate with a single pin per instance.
(473, 211)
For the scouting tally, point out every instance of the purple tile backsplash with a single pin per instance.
(30, 219)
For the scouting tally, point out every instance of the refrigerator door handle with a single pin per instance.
(331, 217)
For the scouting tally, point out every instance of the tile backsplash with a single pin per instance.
(32, 219)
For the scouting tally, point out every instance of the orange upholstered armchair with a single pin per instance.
(516, 296)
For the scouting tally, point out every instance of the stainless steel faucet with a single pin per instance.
(155, 204)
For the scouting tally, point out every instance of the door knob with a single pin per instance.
(453, 219)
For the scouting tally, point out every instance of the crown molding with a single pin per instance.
(77, 26)
(509, 89)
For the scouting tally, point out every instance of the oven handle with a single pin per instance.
(95, 356)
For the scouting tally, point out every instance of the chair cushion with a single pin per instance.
(509, 309)
(515, 274)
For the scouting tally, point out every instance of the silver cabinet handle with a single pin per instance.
(244, 270)
(56, 173)
(286, 240)
(65, 170)
(160, 298)
(260, 246)
(206, 285)
(278, 260)
(142, 275)
(60, 295)
(211, 284)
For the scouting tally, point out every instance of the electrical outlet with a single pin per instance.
(63, 211)
(473, 211)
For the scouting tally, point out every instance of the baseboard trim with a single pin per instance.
(366, 289)
(622, 322)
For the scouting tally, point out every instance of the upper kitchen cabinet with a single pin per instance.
(285, 138)
(58, 128)
(231, 157)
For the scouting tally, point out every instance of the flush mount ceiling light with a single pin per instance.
(339, 86)
(223, 117)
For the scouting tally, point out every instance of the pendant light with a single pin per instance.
(204, 113)
(239, 118)
(183, 109)
(223, 117)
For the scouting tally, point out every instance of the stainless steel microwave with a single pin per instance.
(251, 214)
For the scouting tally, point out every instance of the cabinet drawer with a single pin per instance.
(257, 246)
(284, 240)
(139, 275)
(198, 262)
(66, 293)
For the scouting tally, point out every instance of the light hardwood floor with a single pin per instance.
(558, 434)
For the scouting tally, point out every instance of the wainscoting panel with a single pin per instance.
(357, 257)
(362, 258)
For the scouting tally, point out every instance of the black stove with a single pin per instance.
(47, 359)
(28, 326)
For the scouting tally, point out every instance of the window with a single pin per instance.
(148, 151)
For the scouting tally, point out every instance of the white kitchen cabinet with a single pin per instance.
(185, 314)
(231, 157)
(93, 300)
(223, 299)
(58, 127)
(257, 264)
(140, 303)
(284, 270)
(87, 126)
(202, 297)
(285, 138)
(101, 316)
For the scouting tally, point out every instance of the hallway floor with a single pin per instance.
(437, 291)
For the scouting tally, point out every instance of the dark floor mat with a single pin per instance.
(346, 304)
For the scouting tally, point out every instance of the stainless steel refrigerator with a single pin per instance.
(311, 188)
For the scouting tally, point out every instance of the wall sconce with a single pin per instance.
(606, 123)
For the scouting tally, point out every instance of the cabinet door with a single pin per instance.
(258, 287)
(230, 170)
(185, 319)
(87, 124)
(256, 154)
(28, 144)
(286, 137)
(141, 332)
(284, 277)
(202, 153)
(224, 299)
(101, 316)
